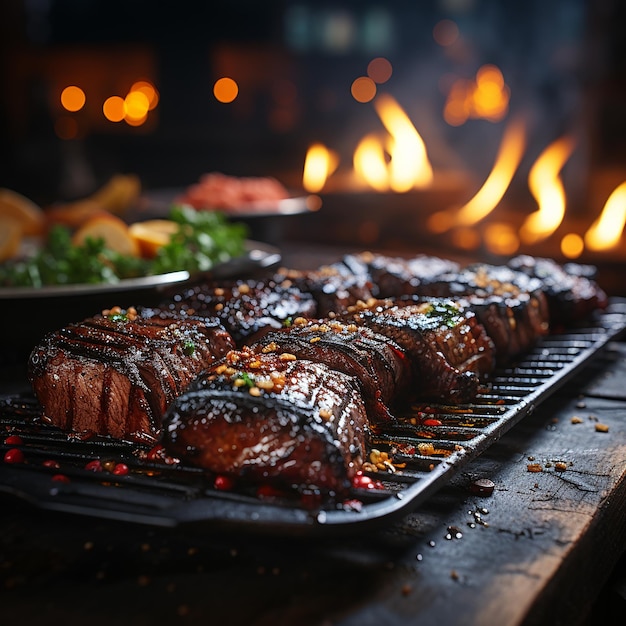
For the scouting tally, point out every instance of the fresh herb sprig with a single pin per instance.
(203, 240)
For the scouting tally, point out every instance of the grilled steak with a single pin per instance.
(333, 287)
(570, 289)
(510, 305)
(270, 418)
(379, 364)
(448, 349)
(392, 277)
(247, 308)
(116, 373)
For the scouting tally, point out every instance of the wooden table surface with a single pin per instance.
(539, 550)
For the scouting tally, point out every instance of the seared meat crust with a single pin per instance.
(247, 308)
(378, 363)
(510, 305)
(333, 287)
(393, 277)
(269, 418)
(448, 350)
(116, 375)
(570, 289)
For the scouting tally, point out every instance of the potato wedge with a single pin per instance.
(152, 235)
(112, 229)
(23, 210)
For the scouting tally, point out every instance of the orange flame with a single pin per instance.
(606, 231)
(547, 189)
(409, 166)
(507, 160)
(319, 164)
(370, 163)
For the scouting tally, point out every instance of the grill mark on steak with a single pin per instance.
(378, 364)
(306, 430)
(117, 376)
(448, 350)
(511, 305)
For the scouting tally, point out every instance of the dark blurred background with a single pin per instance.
(295, 62)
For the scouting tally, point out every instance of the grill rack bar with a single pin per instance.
(158, 494)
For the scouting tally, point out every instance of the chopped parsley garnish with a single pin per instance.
(189, 347)
(118, 317)
(247, 379)
(446, 312)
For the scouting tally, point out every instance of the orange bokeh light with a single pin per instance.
(501, 238)
(113, 109)
(149, 90)
(487, 97)
(572, 245)
(136, 106)
(363, 89)
(225, 90)
(73, 98)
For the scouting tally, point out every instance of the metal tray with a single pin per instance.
(53, 475)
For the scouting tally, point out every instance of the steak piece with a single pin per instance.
(378, 363)
(392, 277)
(570, 289)
(333, 287)
(510, 305)
(271, 419)
(448, 348)
(116, 373)
(247, 308)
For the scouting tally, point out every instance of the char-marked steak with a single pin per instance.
(377, 362)
(246, 308)
(392, 277)
(116, 374)
(333, 287)
(510, 305)
(271, 419)
(448, 349)
(570, 289)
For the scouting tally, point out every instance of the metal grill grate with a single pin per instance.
(430, 443)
